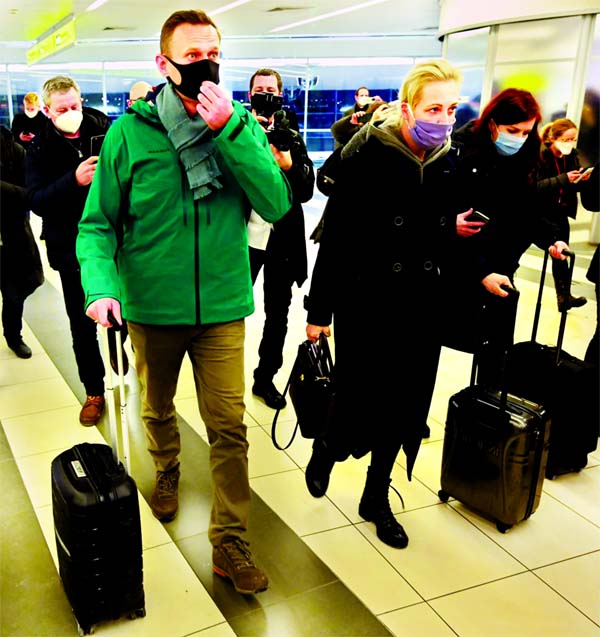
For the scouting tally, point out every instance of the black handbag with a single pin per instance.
(312, 391)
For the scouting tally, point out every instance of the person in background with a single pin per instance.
(590, 200)
(174, 263)
(497, 169)
(26, 125)
(355, 116)
(559, 179)
(282, 251)
(20, 264)
(60, 169)
(344, 128)
(389, 216)
(138, 91)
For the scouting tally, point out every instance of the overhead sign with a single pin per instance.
(61, 38)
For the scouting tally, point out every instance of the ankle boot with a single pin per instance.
(567, 302)
(375, 507)
(319, 469)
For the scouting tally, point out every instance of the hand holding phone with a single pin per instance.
(583, 173)
(96, 144)
(478, 216)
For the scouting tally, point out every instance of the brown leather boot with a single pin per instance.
(164, 501)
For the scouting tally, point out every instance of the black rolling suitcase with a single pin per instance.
(567, 386)
(97, 523)
(495, 450)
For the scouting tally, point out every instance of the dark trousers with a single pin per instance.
(277, 291)
(84, 334)
(593, 349)
(12, 310)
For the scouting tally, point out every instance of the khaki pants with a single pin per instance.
(217, 355)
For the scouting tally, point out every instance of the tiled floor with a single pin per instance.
(330, 575)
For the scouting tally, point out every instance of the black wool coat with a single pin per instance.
(377, 277)
(20, 256)
(55, 195)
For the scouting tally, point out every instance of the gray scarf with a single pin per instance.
(192, 139)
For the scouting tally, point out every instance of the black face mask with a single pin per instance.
(192, 76)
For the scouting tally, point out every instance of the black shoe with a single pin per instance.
(268, 392)
(570, 302)
(318, 470)
(19, 348)
(426, 433)
(389, 530)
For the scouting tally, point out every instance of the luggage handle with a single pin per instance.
(512, 299)
(563, 311)
(118, 453)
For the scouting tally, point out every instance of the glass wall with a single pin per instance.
(541, 56)
(319, 90)
(589, 131)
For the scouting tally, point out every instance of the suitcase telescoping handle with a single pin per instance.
(508, 306)
(563, 312)
(120, 451)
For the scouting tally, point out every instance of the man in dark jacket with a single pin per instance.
(20, 265)
(26, 125)
(283, 251)
(60, 169)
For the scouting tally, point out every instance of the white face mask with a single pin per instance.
(564, 147)
(69, 122)
(31, 114)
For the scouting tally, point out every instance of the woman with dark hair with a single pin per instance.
(559, 178)
(499, 155)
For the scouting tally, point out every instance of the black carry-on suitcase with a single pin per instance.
(567, 386)
(97, 521)
(495, 449)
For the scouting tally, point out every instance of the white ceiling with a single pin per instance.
(128, 29)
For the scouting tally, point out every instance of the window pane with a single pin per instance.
(469, 47)
(539, 40)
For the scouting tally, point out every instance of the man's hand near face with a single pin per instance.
(214, 106)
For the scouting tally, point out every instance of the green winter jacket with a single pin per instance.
(144, 241)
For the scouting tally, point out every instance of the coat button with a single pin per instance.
(397, 267)
(428, 265)
(398, 221)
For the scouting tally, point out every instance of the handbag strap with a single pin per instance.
(276, 416)
(326, 362)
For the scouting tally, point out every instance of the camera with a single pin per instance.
(265, 104)
(279, 132)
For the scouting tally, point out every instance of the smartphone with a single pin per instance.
(96, 144)
(477, 216)
(585, 172)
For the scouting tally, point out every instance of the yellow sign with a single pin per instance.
(58, 40)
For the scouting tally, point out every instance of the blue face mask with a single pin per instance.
(508, 144)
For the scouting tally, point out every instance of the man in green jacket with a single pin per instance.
(163, 243)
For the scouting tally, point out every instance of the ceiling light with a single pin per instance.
(95, 5)
(331, 14)
(227, 7)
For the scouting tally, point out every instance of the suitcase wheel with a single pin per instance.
(443, 496)
(503, 528)
(138, 612)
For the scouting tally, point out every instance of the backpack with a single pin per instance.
(328, 172)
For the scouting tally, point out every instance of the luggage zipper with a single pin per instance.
(537, 461)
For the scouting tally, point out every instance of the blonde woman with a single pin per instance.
(389, 219)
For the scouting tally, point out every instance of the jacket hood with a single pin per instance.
(385, 126)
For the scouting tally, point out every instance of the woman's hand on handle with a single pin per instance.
(313, 332)
(494, 283)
